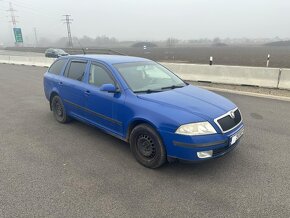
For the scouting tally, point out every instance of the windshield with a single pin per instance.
(148, 77)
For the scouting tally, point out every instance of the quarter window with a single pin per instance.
(99, 76)
(76, 70)
(56, 67)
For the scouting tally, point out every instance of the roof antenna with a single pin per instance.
(84, 51)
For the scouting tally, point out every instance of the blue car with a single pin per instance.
(141, 102)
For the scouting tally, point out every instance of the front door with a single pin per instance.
(99, 104)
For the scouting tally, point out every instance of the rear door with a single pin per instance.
(53, 76)
(72, 87)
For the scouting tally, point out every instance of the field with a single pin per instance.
(228, 55)
(223, 55)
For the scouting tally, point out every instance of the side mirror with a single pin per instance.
(108, 88)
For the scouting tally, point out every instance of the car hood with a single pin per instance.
(197, 101)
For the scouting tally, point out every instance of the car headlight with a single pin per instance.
(202, 128)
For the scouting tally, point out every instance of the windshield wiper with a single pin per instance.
(147, 91)
(173, 87)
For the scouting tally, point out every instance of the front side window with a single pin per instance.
(99, 76)
(76, 70)
(148, 77)
(57, 66)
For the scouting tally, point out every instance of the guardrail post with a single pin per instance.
(268, 60)
(279, 77)
(210, 60)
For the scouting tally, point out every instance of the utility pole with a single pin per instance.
(35, 35)
(12, 14)
(16, 31)
(68, 21)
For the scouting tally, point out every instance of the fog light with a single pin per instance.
(205, 154)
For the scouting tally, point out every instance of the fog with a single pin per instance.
(148, 20)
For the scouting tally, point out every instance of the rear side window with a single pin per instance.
(99, 76)
(56, 67)
(76, 70)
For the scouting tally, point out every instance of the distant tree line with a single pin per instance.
(171, 42)
(85, 41)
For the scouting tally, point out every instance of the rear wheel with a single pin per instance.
(59, 110)
(147, 146)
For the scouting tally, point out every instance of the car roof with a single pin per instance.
(112, 59)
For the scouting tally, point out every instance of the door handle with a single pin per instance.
(87, 92)
(60, 83)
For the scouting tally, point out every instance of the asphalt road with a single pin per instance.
(52, 170)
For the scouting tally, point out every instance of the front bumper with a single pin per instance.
(187, 147)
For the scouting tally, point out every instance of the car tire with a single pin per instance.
(147, 147)
(58, 110)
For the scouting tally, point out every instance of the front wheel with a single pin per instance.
(147, 146)
(58, 109)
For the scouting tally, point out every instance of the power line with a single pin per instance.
(68, 21)
(29, 8)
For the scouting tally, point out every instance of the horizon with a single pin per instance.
(147, 20)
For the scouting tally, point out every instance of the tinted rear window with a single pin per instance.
(77, 70)
(56, 67)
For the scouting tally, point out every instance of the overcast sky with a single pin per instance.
(150, 19)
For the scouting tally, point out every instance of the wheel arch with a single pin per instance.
(52, 94)
(136, 122)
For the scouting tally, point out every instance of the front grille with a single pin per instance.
(227, 122)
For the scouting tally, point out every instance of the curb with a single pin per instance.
(252, 94)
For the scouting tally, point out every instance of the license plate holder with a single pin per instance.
(236, 136)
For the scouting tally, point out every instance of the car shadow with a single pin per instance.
(113, 146)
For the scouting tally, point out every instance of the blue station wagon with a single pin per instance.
(143, 103)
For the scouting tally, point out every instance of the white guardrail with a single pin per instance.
(284, 81)
(253, 76)
(25, 60)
